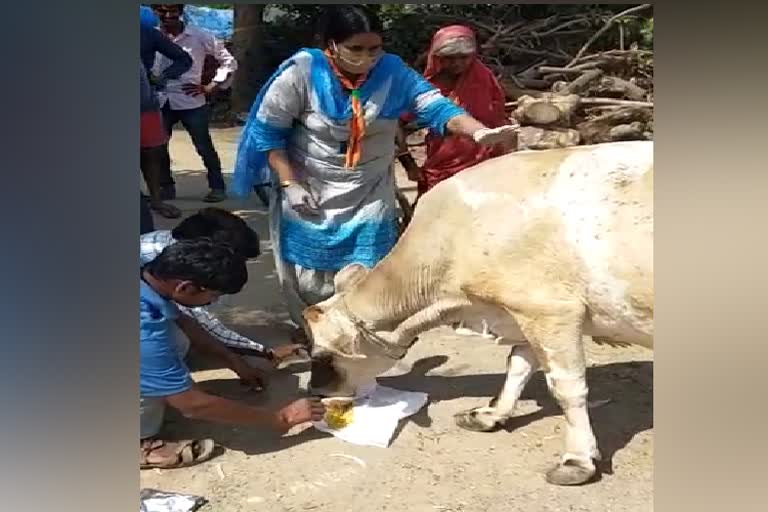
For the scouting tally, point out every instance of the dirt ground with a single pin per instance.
(431, 465)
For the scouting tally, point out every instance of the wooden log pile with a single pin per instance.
(600, 98)
(568, 99)
(561, 90)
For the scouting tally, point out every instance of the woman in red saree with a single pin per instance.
(454, 68)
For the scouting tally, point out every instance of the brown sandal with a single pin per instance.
(174, 454)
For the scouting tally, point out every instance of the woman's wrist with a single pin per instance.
(466, 125)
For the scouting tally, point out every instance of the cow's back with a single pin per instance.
(574, 222)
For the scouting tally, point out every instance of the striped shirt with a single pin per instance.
(150, 246)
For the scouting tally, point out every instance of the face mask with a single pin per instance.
(353, 63)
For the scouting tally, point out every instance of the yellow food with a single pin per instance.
(338, 415)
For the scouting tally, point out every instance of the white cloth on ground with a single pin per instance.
(376, 415)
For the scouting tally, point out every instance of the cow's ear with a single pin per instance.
(349, 276)
(312, 314)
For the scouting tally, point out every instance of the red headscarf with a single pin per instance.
(478, 92)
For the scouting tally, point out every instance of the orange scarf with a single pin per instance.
(357, 123)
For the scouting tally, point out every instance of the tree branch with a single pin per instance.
(607, 25)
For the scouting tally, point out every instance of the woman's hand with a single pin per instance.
(505, 135)
(297, 194)
(300, 199)
(412, 169)
(414, 172)
(470, 127)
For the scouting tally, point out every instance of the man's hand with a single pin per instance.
(278, 354)
(250, 376)
(198, 89)
(298, 412)
(158, 82)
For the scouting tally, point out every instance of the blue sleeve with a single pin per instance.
(162, 371)
(432, 109)
(182, 61)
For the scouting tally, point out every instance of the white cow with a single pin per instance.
(549, 245)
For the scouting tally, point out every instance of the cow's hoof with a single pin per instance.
(479, 419)
(571, 472)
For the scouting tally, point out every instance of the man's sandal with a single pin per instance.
(156, 453)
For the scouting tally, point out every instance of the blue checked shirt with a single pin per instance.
(151, 245)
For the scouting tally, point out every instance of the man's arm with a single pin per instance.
(196, 404)
(218, 330)
(202, 341)
(227, 63)
(181, 60)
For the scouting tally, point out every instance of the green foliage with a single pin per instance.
(409, 27)
(646, 31)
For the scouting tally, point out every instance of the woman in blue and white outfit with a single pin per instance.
(322, 130)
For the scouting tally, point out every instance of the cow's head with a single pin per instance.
(344, 359)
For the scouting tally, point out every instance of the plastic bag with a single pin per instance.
(220, 22)
(374, 417)
(152, 500)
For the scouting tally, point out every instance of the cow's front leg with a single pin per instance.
(521, 364)
(557, 340)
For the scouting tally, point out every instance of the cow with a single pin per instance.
(548, 246)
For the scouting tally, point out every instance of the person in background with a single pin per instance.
(225, 227)
(153, 139)
(184, 99)
(454, 68)
(146, 222)
(193, 273)
(324, 126)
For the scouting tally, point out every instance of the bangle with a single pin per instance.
(287, 183)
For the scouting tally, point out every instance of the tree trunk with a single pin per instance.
(602, 129)
(616, 86)
(547, 109)
(247, 42)
(631, 131)
(532, 137)
(582, 82)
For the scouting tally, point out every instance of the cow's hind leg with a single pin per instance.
(521, 364)
(555, 334)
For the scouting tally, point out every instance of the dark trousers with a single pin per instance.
(146, 223)
(195, 121)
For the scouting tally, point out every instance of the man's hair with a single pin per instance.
(220, 226)
(180, 6)
(203, 262)
(340, 22)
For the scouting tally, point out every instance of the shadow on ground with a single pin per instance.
(627, 385)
